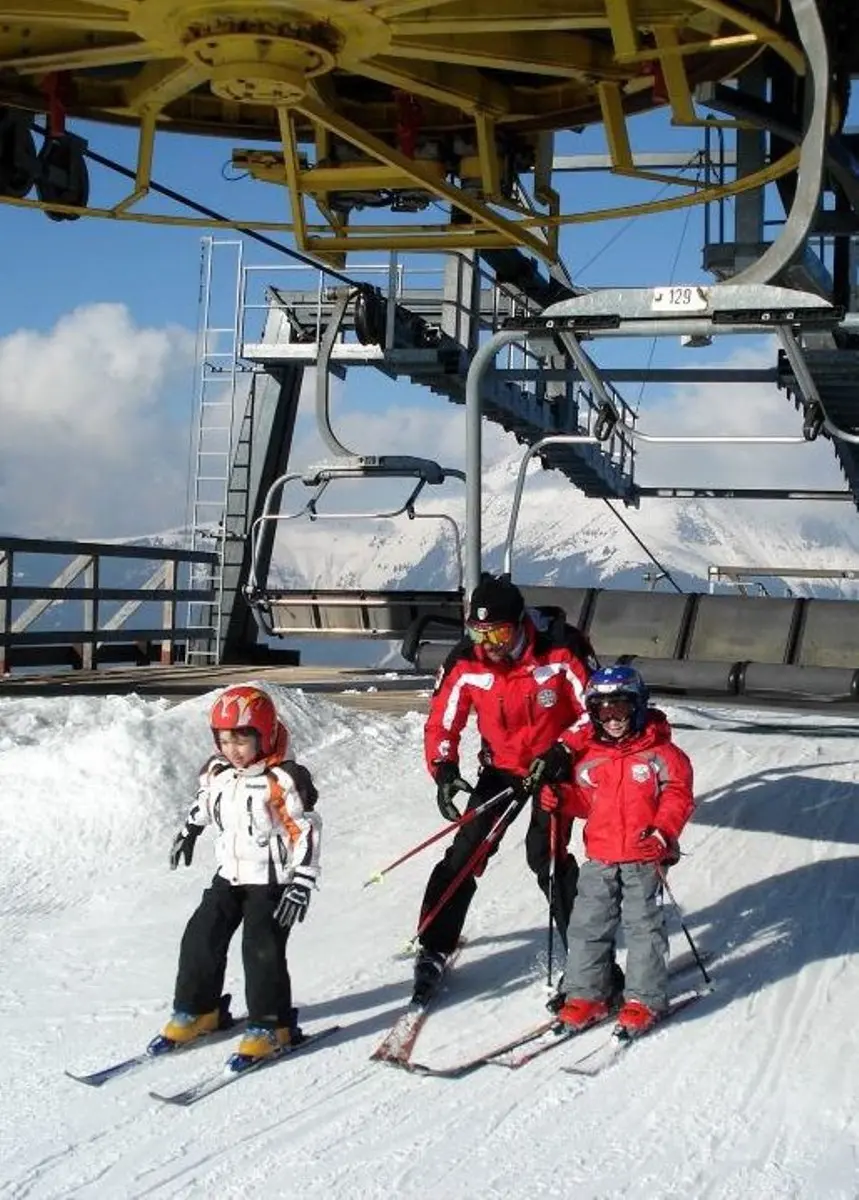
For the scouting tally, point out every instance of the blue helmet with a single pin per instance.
(614, 682)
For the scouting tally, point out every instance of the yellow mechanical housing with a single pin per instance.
(397, 104)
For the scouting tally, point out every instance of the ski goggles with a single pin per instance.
(619, 708)
(498, 635)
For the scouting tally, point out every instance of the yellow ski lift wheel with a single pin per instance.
(402, 105)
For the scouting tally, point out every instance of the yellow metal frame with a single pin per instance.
(273, 67)
(439, 237)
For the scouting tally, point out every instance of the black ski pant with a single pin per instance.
(203, 952)
(443, 932)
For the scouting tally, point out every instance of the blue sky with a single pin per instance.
(96, 337)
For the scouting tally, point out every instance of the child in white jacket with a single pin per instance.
(267, 851)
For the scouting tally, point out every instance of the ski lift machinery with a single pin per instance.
(347, 464)
(749, 304)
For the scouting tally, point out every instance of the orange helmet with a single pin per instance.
(244, 707)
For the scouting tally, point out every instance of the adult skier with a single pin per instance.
(524, 674)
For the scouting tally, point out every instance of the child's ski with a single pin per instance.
(557, 1035)
(609, 1051)
(161, 1047)
(236, 1067)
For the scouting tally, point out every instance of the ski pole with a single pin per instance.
(553, 869)
(663, 875)
(468, 815)
(482, 851)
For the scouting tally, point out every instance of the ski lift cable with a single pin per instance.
(693, 161)
(204, 211)
(663, 570)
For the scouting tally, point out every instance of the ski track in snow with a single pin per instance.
(752, 1093)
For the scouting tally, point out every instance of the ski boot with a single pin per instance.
(615, 1000)
(266, 1041)
(578, 1013)
(634, 1019)
(429, 969)
(183, 1027)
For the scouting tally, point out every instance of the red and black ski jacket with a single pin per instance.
(522, 706)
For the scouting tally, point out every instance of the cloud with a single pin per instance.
(95, 416)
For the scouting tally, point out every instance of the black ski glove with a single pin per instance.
(552, 766)
(304, 784)
(449, 782)
(293, 904)
(183, 844)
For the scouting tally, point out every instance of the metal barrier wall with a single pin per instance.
(829, 634)
(98, 622)
(796, 652)
(756, 628)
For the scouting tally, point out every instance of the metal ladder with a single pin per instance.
(219, 410)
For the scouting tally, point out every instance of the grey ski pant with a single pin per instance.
(627, 894)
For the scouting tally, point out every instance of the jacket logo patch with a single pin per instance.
(546, 698)
(640, 772)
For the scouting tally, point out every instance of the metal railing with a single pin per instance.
(81, 618)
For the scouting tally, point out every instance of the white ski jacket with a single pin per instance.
(265, 834)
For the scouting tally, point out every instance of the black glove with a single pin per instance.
(183, 844)
(448, 782)
(304, 784)
(552, 766)
(293, 904)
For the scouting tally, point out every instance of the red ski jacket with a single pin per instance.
(522, 707)
(622, 788)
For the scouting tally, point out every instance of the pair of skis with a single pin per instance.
(236, 1066)
(613, 1048)
(395, 1048)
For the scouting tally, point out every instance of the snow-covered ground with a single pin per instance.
(752, 1094)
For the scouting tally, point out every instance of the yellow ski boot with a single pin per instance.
(262, 1042)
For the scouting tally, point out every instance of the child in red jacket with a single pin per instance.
(634, 788)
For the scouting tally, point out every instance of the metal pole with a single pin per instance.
(663, 877)
(482, 851)
(467, 816)
(553, 883)
(553, 439)
(474, 454)
(794, 232)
